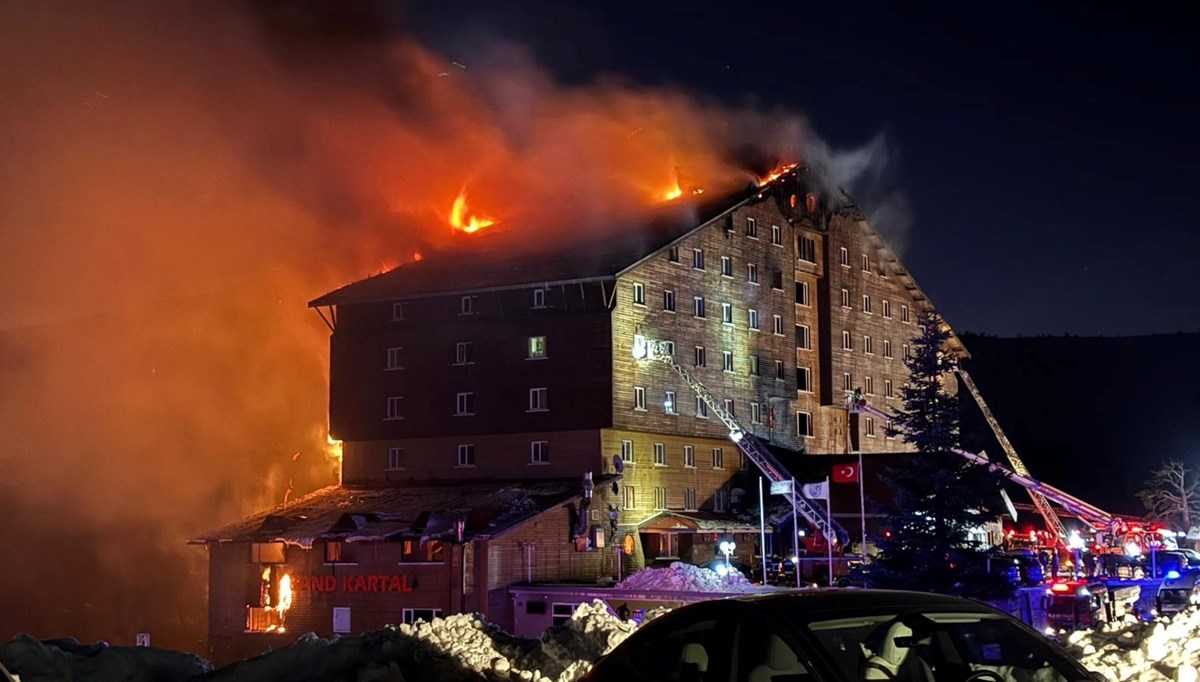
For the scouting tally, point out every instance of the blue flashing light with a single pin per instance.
(1172, 575)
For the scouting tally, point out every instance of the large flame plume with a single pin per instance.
(464, 222)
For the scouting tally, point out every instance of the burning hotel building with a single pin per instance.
(499, 431)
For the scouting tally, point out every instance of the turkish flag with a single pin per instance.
(845, 473)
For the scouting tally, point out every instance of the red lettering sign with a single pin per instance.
(353, 583)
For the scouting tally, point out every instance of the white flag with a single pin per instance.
(817, 491)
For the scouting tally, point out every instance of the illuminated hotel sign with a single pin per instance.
(352, 583)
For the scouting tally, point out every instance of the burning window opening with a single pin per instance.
(274, 598)
(459, 219)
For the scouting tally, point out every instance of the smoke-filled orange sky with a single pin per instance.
(177, 180)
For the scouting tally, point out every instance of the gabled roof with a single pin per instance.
(379, 514)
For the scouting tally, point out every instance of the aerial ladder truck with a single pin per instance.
(1041, 493)
(654, 350)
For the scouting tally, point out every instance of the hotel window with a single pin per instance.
(639, 293)
(411, 616)
(845, 298)
(804, 379)
(887, 389)
(867, 304)
(718, 461)
(887, 348)
(868, 347)
(539, 452)
(754, 366)
(539, 399)
(776, 235)
(904, 351)
(464, 353)
(660, 455)
(399, 311)
(393, 358)
(866, 263)
(802, 297)
(673, 254)
(720, 499)
(689, 456)
(699, 359)
(845, 257)
(803, 337)
(395, 458)
(777, 325)
(639, 398)
(753, 315)
(869, 385)
(466, 305)
(393, 408)
(268, 553)
(804, 424)
(779, 370)
(847, 382)
(726, 313)
(752, 228)
(729, 407)
(777, 280)
(660, 498)
(669, 301)
(539, 298)
(887, 308)
(806, 249)
(904, 313)
(755, 413)
(537, 348)
(670, 347)
(847, 343)
(870, 427)
(698, 306)
(689, 499)
(701, 408)
(630, 497)
(752, 273)
(465, 404)
(466, 455)
(727, 360)
(627, 452)
(698, 259)
(726, 266)
(669, 403)
(335, 554)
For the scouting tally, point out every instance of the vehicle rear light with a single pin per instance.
(1060, 587)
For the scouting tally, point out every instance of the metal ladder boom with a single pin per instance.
(752, 447)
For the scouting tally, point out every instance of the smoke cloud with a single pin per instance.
(178, 179)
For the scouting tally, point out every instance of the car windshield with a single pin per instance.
(940, 647)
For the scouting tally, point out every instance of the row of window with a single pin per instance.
(869, 345)
(630, 499)
(844, 258)
(464, 353)
(539, 453)
(868, 386)
(757, 414)
(539, 401)
(867, 307)
(467, 305)
(806, 247)
(629, 456)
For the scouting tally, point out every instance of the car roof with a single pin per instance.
(815, 604)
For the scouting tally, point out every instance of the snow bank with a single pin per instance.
(681, 577)
(68, 660)
(1167, 649)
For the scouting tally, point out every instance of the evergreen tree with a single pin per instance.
(938, 496)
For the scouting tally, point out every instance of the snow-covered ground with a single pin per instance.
(681, 577)
(466, 648)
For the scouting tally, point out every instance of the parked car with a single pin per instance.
(837, 635)
(1178, 592)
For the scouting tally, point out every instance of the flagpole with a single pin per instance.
(862, 506)
(829, 515)
(795, 535)
(762, 530)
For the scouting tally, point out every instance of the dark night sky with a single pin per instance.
(1046, 153)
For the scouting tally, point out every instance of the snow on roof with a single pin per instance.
(702, 521)
(378, 514)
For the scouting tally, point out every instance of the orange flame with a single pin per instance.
(779, 172)
(674, 192)
(471, 224)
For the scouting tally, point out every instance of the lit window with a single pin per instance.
(806, 249)
(464, 353)
(669, 403)
(866, 304)
(399, 311)
(701, 408)
(845, 257)
(753, 315)
(660, 455)
(776, 235)
(466, 305)
(395, 458)
(755, 413)
(466, 455)
(866, 263)
(627, 451)
(752, 273)
(698, 259)
(639, 293)
(803, 337)
(726, 313)
(700, 359)
(539, 452)
(639, 398)
(537, 347)
(726, 266)
(802, 296)
(465, 404)
(752, 228)
(777, 325)
(393, 358)
(669, 301)
(689, 456)
(538, 399)
(845, 298)
(539, 298)
(804, 379)
(868, 347)
(698, 306)
(718, 461)
(804, 424)
(887, 308)
(727, 360)
(847, 343)
(393, 408)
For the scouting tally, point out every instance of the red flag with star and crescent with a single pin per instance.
(845, 473)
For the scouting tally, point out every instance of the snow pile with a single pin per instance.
(569, 649)
(67, 659)
(1168, 649)
(681, 577)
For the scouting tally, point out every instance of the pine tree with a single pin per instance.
(938, 496)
